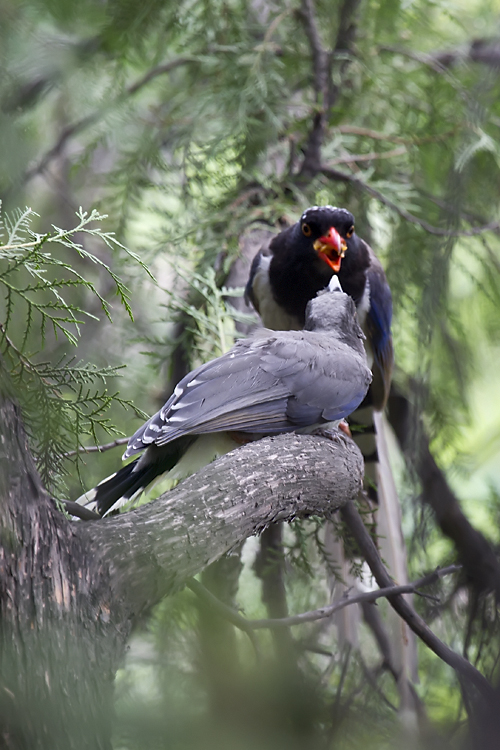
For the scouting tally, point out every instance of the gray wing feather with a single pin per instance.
(329, 378)
(264, 384)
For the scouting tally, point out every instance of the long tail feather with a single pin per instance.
(393, 549)
(176, 460)
(130, 480)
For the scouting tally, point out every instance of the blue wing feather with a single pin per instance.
(378, 323)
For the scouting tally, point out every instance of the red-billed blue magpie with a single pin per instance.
(270, 383)
(284, 275)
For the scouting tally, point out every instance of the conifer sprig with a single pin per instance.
(67, 401)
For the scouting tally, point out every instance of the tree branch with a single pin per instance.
(153, 550)
(372, 156)
(325, 92)
(369, 551)
(335, 174)
(97, 448)
(70, 131)
(317, 614)
(378, 136)
(319, 53)
(346, 35)
(477, 555)
(312, 154)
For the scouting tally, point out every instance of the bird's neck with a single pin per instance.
(296, 280)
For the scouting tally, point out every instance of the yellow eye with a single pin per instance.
(306, 230)
(349, 233)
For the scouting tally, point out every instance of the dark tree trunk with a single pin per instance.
(219, 656)
(61, 631)
(71, 591)
(270, 567)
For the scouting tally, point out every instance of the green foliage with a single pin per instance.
(187, 122)
(210, 321)
(66, 401)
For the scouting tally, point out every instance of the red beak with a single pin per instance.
(331, 248)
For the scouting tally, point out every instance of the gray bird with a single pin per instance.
(270, 383)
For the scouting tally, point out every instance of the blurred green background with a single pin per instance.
(185, 124)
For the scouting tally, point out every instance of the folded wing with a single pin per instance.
(267, 384)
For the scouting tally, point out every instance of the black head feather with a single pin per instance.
(321, 218)
(296, 272)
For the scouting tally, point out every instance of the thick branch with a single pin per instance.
(155, 549)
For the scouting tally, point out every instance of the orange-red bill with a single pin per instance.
(331, 248)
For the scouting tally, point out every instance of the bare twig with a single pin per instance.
(372, 156)
(25, 362)
(485, 51)
(377, 136)
(419, 57)
(97, 448)
(335, 174)
(369, 551)
(18, 245)
(317, 614)
(79, 511)
(159, 70)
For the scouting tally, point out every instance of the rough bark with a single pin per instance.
(153, 550)
(70, 591)
(61, 628)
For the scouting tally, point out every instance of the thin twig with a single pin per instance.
(97, 448)
(369, 551)
(377, 136)
(401, 151)
(317, 614)
(25, 362)
(159, 70)
(16, 246)
(419, 57)
(366, 596)
(335, 174)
